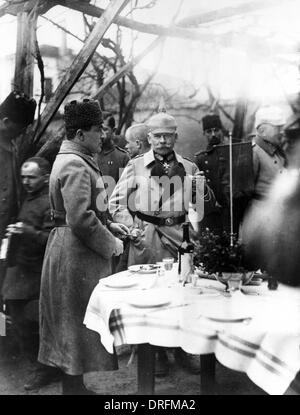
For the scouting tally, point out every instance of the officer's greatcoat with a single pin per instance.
(78, 254)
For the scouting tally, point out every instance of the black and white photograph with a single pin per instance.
(149, 200)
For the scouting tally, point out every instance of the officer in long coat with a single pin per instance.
(16, 113)
(78, 252)
(153, 198)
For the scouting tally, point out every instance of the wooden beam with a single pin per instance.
(80, 63)
(180, 32)
(122, 71)
(152, 29)
(24, 64)
(26, 6)
(227, 12)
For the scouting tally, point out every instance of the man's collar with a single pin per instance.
(43, 191)
(108, 149)
(149, 158)
(6, 143)
(69, 145)
(268, 147)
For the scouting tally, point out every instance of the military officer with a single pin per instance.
(112, 159)
(291, 140)
(215, 215)
(269, 159)
(16, 113)
(150, 199)
(136, 138)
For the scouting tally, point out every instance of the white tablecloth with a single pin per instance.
(266, 346)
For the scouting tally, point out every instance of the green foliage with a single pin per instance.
(215, 254)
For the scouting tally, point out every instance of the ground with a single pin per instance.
(15, 371)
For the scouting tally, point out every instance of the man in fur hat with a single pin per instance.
(79, 251)
(16, 114)
(215, 216)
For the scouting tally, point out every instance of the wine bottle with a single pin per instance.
(185, 256)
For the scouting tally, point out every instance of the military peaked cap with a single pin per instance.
(162, 123)
(269, 115)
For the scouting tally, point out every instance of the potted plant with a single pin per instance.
(223, 256)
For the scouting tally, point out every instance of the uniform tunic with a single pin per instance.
(23, 280)
(138, 191)
(9, 189)
(78, 253)
(111, 163)
(216, 216)
(268, 163)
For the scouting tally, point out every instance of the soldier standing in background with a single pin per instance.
(137, 140)
(21, 287)
(216, 216)
(112, 159)
(16, 114)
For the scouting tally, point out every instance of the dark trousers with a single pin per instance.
(24, 332)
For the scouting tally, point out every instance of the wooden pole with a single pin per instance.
(231, 188)
(80, 63)
(24, 64)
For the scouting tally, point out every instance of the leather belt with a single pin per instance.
(59, 218)
(60, 223)
(258, 197)
(161, 221)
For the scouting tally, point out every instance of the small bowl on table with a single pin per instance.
(234, 280)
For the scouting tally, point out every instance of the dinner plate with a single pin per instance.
(226, 312)
(228, 319)
(143, 268)
(141, 305)
(150, 301)
(121, 282)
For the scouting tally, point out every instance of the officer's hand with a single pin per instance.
(15, 228)
(119, 230)
(135, 234)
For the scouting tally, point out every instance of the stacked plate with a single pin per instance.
(144, 268)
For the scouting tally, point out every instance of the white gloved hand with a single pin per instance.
(119, 248)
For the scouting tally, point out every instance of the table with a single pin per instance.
(265, 346)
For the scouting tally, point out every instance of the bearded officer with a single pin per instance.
(154, 210)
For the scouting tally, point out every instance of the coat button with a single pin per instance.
(208, 180)
(207, 171)
(206, 162)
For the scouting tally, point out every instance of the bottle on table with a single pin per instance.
(185, 256)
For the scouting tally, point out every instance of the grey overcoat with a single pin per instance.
(77, 255)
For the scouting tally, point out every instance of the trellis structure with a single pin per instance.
(28, 11)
